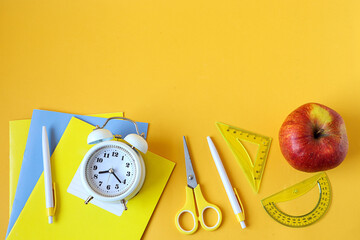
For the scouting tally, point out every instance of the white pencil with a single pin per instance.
(234, 199)
(49, 192)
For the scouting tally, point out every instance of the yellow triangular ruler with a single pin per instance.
(253, 170)
(296, 191)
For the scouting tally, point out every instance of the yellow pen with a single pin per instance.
(49, 187)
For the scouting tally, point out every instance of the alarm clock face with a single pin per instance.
(111, 170)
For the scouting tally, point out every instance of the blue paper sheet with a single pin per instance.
(32, 164)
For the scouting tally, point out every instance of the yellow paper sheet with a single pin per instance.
(18, 131)
(74, 219)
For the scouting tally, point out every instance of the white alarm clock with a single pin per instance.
(113, 170)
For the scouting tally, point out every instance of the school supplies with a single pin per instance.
(253, 170)
(32, 166)
(234, 199)
(18, 131)
(49, 187)
(193, 189)
(295, 191)
(76, 220)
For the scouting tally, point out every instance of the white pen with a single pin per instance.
(49, 190)
(234, 199)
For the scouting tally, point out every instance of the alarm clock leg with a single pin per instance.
(124, 203)
(88, 199)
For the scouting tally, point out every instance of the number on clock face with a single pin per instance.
(110, 171)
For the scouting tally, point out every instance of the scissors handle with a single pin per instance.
(189, 207)
(202, 206)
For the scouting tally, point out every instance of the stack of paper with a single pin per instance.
(74, 219)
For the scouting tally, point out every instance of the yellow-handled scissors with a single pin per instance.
(193, 188)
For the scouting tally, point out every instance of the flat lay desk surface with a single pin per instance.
(182, 66)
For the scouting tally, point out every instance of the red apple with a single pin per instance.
(313, 138)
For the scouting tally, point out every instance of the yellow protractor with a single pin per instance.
(233, 137)
(296, 191)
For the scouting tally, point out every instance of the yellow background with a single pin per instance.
(181, 66)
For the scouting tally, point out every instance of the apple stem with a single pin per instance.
(318, 133)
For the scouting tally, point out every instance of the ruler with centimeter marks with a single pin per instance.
(233, 137)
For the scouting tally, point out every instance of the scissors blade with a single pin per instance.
(190, 174)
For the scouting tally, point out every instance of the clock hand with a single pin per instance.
(107, 171)
(108, 179)
(116, 177)
(111, 170)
